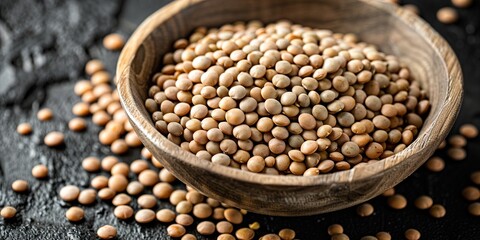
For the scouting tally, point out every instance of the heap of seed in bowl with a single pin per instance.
(285, 99)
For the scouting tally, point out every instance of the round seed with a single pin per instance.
(471, 193)
(397, 201)
(87, 196)
(20, 186)
(69, 193)
(123, 212)
(245, 234)
(435, 164)
(365, 210)
(113, 41)
(437, 211)
(91, 164)
(234, 216)
(8, 212)
(412, 234)
(45, 114)
(206, 228)
(475, 177)
(287, 234)
(423, 202)
(74, 214)
(148, 178)
(54, 139)
(147, 201)
(117, 183)
(77, 124)
(224, 227)
(40, 171)
(176, 230)
(474, 209)
(144, 216)
(165, 215)
(107, 232)
(24, 128)
(335, 229)
(468, 130)
(447, 15)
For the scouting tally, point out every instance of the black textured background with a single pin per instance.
(43, 48)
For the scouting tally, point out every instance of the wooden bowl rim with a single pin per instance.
(420, 27)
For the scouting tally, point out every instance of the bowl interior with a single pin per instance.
(392, 29)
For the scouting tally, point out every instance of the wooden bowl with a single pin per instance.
(395, 30)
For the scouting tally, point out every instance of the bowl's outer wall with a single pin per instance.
(393, 30)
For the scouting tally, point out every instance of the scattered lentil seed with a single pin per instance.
(447, 15)
(91, 67)
(118, 183)
(233, 215)
(121, 199)
(107, 232)
(286, 234)
(457, 154)
(435, 164)
(206, 228)
(176, 230)
(45, 114)
(397, 201)
(184, 219)
(54, 139)
(74, 214)
(113, 41)
(475, 177)
(462, 3)
(471, 193)
(474, 209)
(87, 196)
(423, 202)
(106, 194)
(365, 210)
(77, 124)
(24, 128)
(40, 171)
(91, 164)
(166, 215)
(123, 212)
(144, 216)
(412, 234)
(245, 234)
(99, 182)
(20, 186)
(383, 236)
(437, 211)
(468, 130)
(8, 212)
(335, 229)
(341, 236)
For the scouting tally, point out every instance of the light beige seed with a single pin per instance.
(106, 194)
(447, 15)
(469, 130)
(233, 215)
(123, 212)
(20, 186)
(148, 178)
(54, 139)
(118, 183)
(77, 124)
(184, 219)
(87, 196)
(147, 201)
(206, 228)
(24, 128)
(166, 215)
(113, 41)
(475, 177)
(107, 232)
(8, 212)
(45, 114)
(40, 171)
(176, 230)
(69, 193)
(91, 164)
(144, 216)
(74, 214)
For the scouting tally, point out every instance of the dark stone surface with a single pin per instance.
(43, 48)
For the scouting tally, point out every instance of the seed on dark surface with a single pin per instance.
(107, 232)
(40, 171)
(54, 139)
(8, 212)
(397, 201)
(423, 202)
(437, 211)
(20, 186)
(412, 234)
(24, 128)
(74, 214)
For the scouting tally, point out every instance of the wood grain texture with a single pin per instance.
(394, 30)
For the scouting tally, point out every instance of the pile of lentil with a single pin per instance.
(285, 99)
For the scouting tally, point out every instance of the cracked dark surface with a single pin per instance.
(43, 48)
